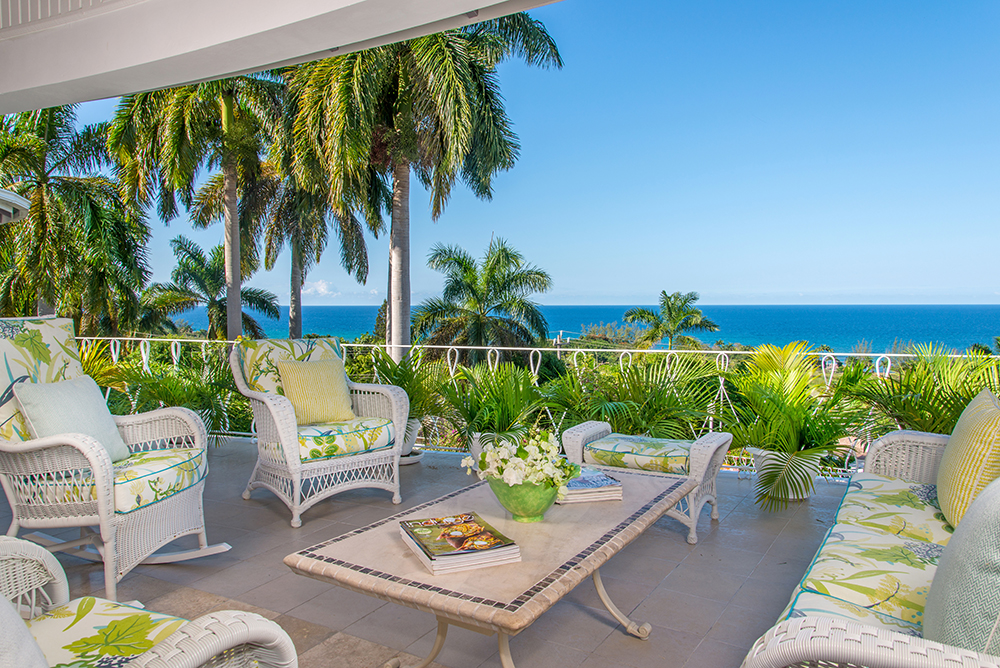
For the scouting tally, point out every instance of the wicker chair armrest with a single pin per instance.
(826, 641)
(384, 401)
(63, 458)
(574, 438)
(163, 428)
(26, 567)
(909, 455)
(708, 452)
(274, 417)
(209, 636)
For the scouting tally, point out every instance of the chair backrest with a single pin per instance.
(34, 350)
(258, 358)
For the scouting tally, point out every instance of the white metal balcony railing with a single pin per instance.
(742, 462)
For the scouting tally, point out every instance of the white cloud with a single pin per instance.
(319, 288)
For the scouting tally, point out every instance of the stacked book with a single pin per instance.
(457, 543)
(591, 485)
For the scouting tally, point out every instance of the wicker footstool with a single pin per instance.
(593, 443)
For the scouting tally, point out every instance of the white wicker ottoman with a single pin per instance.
(593, 443)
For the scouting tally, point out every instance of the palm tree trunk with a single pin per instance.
(295, 297)
(399, 262)
(234, 307)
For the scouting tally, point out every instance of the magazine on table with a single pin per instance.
(457, 542)
(591, 485)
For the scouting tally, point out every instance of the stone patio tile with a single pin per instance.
(721, 557)
(186, 602)
(395, 625)
(678, 611)
(626, 594)
(240, 578)
(336, 608)
(763, 596)
(573, 625)
(717, 655)
(732, 535)
(532, 652)
(665, 648)
(704, 582)
(661, 545)
(305, 635)
(235, 604)
(462, 648)
(638, 568)
(782, 570)
(345, 651)
(740, 627)
(286, 592)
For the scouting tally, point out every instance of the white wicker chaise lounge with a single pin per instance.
(137, 505)
(700, 460)
(89, 632)
(304, 464)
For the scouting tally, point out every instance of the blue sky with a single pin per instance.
(758, 153)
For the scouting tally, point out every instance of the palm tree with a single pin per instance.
(199, 279)
(484, 303)
(163, 139)
(677, 316)
(431, 104)
(80, 249)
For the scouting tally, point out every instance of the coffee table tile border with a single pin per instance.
(525, 596)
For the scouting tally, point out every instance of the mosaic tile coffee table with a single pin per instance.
(556, 555)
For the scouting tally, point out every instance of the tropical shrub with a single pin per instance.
(481, 399)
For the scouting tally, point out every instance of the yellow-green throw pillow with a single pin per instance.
(971, 460)
(318, 390)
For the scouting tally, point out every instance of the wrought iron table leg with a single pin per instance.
(435, 650)
(640, 631)
(506, 660)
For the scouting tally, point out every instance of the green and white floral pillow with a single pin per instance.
(259, 358)
(36, 351)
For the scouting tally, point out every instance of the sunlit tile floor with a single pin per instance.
(707, 603)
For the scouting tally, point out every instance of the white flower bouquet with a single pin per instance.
(523, 457)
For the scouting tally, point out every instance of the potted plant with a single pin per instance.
(421, 382)
(524, 469)
(788, 420)
(486, 400)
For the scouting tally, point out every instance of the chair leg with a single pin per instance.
(110, 571)
(715, 508)
(396, 498)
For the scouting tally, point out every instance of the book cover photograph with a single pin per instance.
(457, 542)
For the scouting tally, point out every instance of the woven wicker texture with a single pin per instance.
(280, 469)
(233, 639)
(707, 456)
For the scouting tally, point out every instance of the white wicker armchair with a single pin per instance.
(813, 641)
(707, 455)
(34, 581)
(282, 467)
(69, 480)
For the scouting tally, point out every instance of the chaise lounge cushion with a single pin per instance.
(811, 604)
(971, 460)
(95, 633)
(323, 441)
(874, 570)
(640, 452)
(963, 607)
(907, 509)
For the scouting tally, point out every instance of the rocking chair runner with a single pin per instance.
(127, 510)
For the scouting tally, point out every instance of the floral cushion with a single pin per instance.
(879, 571)
(811, 604)
(36, 351)
(258, 359)
(639, 452)
(92, 632)
(323, 441)
(142, 478)
(895, 506)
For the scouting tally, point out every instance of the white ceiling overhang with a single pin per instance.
(13, 207)
(60, 51)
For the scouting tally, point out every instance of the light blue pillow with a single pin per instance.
(18, 648)
(70, 407)
(963, 604)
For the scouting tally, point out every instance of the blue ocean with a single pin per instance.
(879, 328)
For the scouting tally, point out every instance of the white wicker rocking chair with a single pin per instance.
(283, 466)
(34, 581)
(69, 480)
